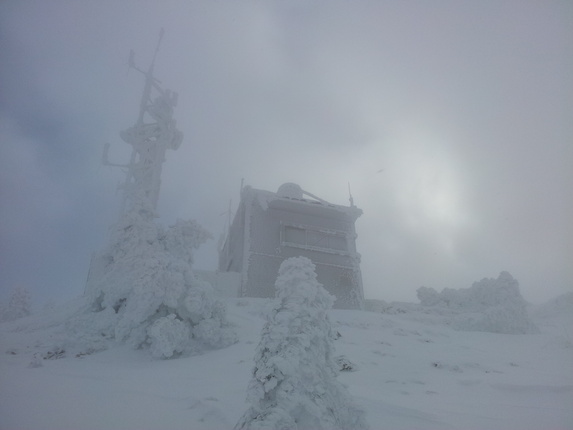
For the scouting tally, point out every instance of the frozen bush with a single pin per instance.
(428, 296)
(294, 384)
(168, 336)
(19, 305)
(143, 285)
(511, 318)
(491, 305)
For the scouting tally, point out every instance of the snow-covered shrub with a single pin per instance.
(392, 308)
(19, 305)
(91, 330)
(510, 318)
(144, 292)
(168, 335)
(345, 365)
(428, 296)
(294, 384)
(491, 305)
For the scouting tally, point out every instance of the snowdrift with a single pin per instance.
(412, 370)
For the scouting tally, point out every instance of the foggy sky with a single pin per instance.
(452, 122)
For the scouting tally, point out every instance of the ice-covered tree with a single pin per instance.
(428, 296)
(145, 293)
(492, 305)
(19, 305)
(294, 384)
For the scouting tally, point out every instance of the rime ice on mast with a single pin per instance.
(154, 132)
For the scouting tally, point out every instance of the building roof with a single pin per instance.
(291, 196)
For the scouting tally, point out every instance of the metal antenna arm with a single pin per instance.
(161, 33)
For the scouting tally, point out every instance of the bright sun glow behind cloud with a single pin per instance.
(412, 180)
(424, 177)
(427, 186)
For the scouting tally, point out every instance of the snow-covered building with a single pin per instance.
(270, 227)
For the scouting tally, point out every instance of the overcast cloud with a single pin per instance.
(451, 120)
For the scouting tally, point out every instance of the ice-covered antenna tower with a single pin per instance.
(153, 133)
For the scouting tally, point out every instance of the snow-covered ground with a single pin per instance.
(411, 371)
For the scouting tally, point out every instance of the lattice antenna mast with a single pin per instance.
(153, 133)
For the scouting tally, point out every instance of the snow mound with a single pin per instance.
(294, 384)
(18, 306)
(559, 306)
(556, 316)
(145, 294)
(490, 305)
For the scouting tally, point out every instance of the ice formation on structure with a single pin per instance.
(151, 136)
(141, 289)
(269, 228)
(294, 382)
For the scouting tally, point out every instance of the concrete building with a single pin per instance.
(271, 227)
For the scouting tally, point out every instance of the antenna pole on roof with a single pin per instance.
(350, 195)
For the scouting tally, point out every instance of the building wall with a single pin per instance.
(231, 256)
(282, 228)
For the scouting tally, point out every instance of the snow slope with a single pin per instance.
(411, 370)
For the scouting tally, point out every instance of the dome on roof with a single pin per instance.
(290, 191)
